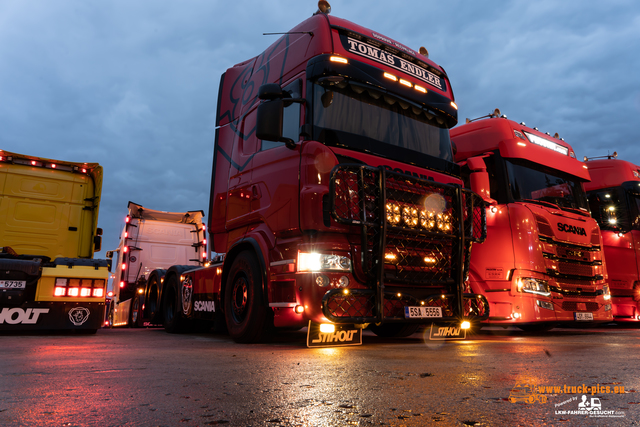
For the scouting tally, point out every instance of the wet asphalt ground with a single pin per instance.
(146, 377)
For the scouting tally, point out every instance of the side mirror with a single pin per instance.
(269, 120)
(270, 113)
(97, 243)
(479, 179)
(271, 91)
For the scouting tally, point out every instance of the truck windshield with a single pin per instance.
(528, 181)
(363, 118)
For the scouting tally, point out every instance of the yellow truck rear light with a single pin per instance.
(87, 288)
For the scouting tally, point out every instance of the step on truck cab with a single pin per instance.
(152, 241)
(48, 235)
(542, 262)
(614, 199)
(334, 196)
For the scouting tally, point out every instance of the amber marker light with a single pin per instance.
(406, 83)
(420, 89)
(465, 325)
(390, 77)
(522, 144)
(299, 309)
(454, 105)
(430, 260)
(339, 59)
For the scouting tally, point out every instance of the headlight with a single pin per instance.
(533, 286)
(323, 262)
(606, 292)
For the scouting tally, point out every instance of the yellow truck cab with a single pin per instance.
(48, 235)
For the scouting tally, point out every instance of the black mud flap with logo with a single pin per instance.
(447, 332)
(34, 316)
(343, 335)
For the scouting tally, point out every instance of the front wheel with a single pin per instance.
(247, 316)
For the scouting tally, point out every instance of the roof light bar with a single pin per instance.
(544, 142)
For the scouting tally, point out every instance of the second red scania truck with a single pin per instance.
(614, 198)
(335, 202)
(542, 262)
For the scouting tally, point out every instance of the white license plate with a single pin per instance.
(583, 317)
(422, 312)
(12, 284)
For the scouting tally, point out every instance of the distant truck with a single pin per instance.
(335, 203)
(150, 242)
(614, 198)
(48, 235)
(542, 262)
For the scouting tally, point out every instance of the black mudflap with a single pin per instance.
(49, 316)
(342, 336)
(448, 331)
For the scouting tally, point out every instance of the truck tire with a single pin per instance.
(152, 302)
(394, 330)
(134, 312)
(247, 316)
(174, 320)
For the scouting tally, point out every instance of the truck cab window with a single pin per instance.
(291, 117)
(609, 208)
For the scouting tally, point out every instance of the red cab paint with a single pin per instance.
(334, 195)
(614, 199)
(542, 263)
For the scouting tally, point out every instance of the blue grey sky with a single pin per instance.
(133, 85)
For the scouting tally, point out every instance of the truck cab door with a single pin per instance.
(275, 189)
(239, 192)
(635, 229)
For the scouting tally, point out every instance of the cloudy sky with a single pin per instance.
(133, 85)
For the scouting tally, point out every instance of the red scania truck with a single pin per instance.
(614, 199)
(335, 201)
(542, 262)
